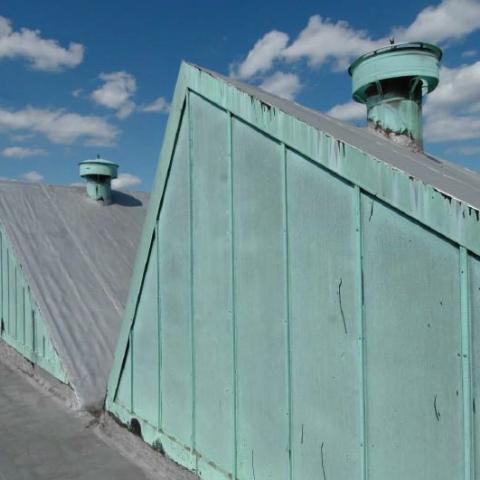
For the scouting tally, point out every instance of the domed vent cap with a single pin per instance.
(99, 174)
(391, 81)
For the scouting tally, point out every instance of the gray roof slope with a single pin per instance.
(78, 258)
(449, 178)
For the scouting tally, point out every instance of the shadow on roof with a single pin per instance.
(125, 200)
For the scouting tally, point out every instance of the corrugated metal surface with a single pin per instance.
(77, 258)
(300, 319)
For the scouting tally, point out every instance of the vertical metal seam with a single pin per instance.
(361, 322)
(27, 316)
(23, 315)
(131, 370)
(234, 320)
(288, 313)
(30, 321)
(2, 260)
(159, 330)
(466, 364)
(192, 279)
(15, 290)
(34, 334)
(1, 274)
(8, 292)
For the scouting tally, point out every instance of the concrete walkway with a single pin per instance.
(41, 439)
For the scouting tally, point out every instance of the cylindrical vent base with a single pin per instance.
(394, 109)
(99, 188)
(399, 119)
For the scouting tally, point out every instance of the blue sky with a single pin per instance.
(81, 78)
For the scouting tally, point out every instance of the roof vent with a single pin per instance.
(99, 173)
(391, 81)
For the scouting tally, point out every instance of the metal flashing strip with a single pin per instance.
(466, 349)
(192, 277)
(362, 337)
(234, 319)
(289, 315)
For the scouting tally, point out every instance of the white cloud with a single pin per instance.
(452, 110)
(59, 126)
(323, 39)
(469, 53)
(451, 127)
(285, 85)
(32, 177)
(469, 150)
(116, 92)
(41, 53)
(22, 152)
(451, 19)
(348, 111)
(261, 56)
(319, 41)
(158, 105)
(457, 87)
(21, 137)
(125, 181)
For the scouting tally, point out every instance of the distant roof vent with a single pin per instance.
(99, 173)
(391, 81)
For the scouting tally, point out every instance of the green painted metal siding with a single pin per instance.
(21, 324)
(212, 307)
(413, 325)
(473, 361)
(290, 324)
(325, 329)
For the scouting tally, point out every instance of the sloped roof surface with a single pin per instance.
(449, 178)
(78, 257)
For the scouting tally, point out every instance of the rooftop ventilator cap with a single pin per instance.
(99, 174)
(391, 82)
